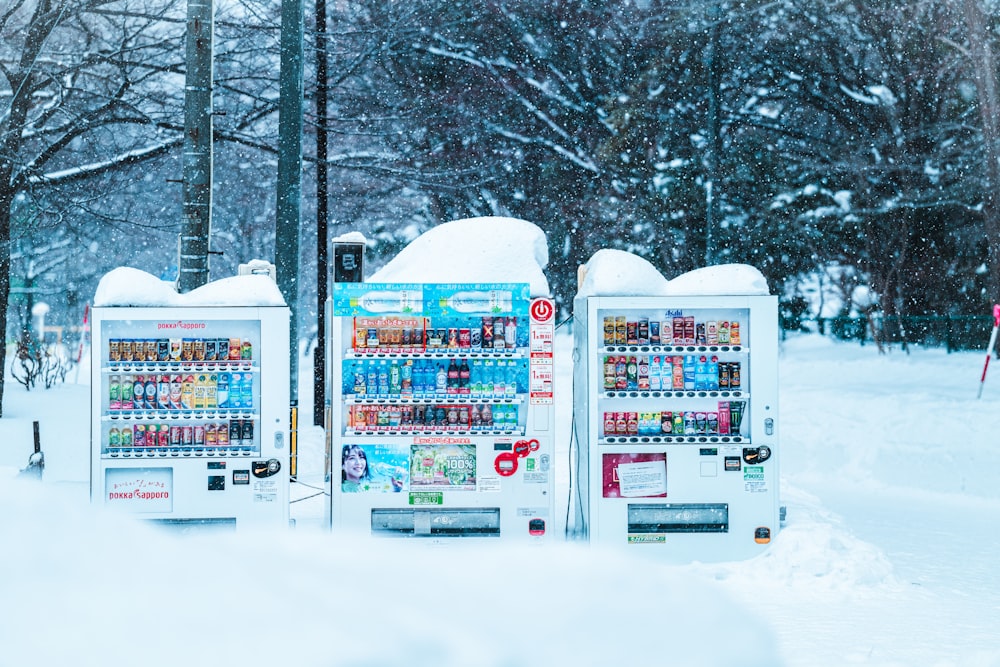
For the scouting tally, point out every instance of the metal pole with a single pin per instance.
(712, 154)
(322, 90)
(289, 202)
(193, 250)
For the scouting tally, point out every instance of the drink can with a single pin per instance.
(407, 337)
(631, 333)
(187, 349)
(114, 392)
(187, 436)
(247, 433)
(486, 329)
(621, 423)
(734, 375)
(235, 348)
(211, 435)
(712, 332)
(689, 332)
(163, 436)
(632, 422)
(246, 350)
(236, 428)
(175, 349)
(476, 338)
(198, 349)
(199, 435)
(621, 330)
(723, 375)
(609, 423)
(222, 436)
(124, 349)
(654, 332)
(642, 334)
(734, 333)
(724, 332)
(499, 335)
(139, 435)
(162, 349)
(150, 345)
(609, 330)
(175, 436)
(360, 337)
(211, 349)
(442, 335)
(452, 338)
(464, 338)
(666, 422)
(700, 336)
(418, 339)
(114, 438)
(114, 350)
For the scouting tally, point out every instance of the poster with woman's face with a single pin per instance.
(374, 468)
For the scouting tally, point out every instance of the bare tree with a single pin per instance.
(77, 74)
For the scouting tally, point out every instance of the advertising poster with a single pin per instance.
(450, 467)
(140, 489)
(374, 469)
(635, 475)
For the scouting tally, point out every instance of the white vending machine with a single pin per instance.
(676, 410)
(442, 418)
(190, 414)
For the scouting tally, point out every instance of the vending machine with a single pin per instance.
(190, 413)
(442, 420)
(676, 413)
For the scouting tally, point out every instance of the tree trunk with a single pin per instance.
(989, 114)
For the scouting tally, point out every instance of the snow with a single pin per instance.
(612, 272)
(474, 250)
(887, 556)
(126, 286)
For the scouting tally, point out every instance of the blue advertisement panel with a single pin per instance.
(354, 299)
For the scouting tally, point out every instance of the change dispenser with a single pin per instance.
(675, 405)
(442, 418)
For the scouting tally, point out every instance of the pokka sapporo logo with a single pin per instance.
(140, 489)
(180, 324)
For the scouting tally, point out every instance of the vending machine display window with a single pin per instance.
(442, 399)
(676, 398)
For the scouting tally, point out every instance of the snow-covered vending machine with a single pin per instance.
(190, 408)
(675, 403)
(442, 420)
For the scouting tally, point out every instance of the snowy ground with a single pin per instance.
(887, 556)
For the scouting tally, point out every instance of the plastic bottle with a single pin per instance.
(500, 379)
(395, 378)
(406, 377)
(441, 380)
(453, 377)
(464, 377)
(512, 373)
(383, 378)
(372, 377)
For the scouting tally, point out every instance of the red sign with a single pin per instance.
(542, 310)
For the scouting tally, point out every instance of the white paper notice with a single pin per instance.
(647, 478)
